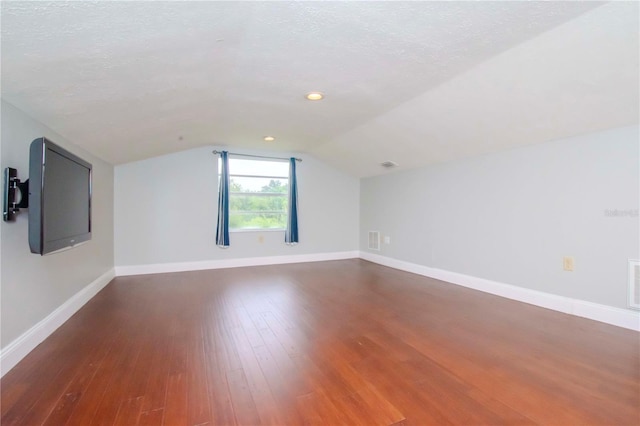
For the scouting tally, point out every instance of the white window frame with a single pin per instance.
(266, 176)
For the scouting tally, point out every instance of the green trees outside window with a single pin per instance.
(258, 194)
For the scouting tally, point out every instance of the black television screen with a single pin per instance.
(59, 198)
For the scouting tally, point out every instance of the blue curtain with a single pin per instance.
(291, 234)
(222, 232)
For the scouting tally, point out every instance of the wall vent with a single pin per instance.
(634, 284)
(374, 240)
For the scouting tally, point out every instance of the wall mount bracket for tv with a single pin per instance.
(13, 185)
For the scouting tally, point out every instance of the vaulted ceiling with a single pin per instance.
(411, 82)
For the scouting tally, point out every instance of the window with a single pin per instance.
(258, 192)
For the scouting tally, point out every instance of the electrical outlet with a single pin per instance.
(387, 239)
(567, 263)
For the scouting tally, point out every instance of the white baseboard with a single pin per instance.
(158, 268)
(607, 314)
(20, 347)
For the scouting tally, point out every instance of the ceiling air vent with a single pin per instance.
(389, 164)
(634, 283)
(374, 240)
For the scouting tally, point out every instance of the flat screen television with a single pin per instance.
(59, 198)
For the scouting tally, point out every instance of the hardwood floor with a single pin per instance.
(344, 342)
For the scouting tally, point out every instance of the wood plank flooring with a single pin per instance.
(332, 343)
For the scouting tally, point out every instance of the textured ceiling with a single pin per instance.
(413, 82)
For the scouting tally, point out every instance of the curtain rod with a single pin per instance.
(256, 156)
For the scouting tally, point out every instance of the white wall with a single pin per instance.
(512, 216)
(33, 286)
(166, 212)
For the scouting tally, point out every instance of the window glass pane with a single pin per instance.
(258, 167)
(257, 220)
(252, 184)
(258, 202)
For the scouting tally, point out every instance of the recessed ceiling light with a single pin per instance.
(269, 138)
(314, 96)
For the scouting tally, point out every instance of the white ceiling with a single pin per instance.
(412, 82)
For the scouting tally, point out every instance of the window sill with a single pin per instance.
(257, 230)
